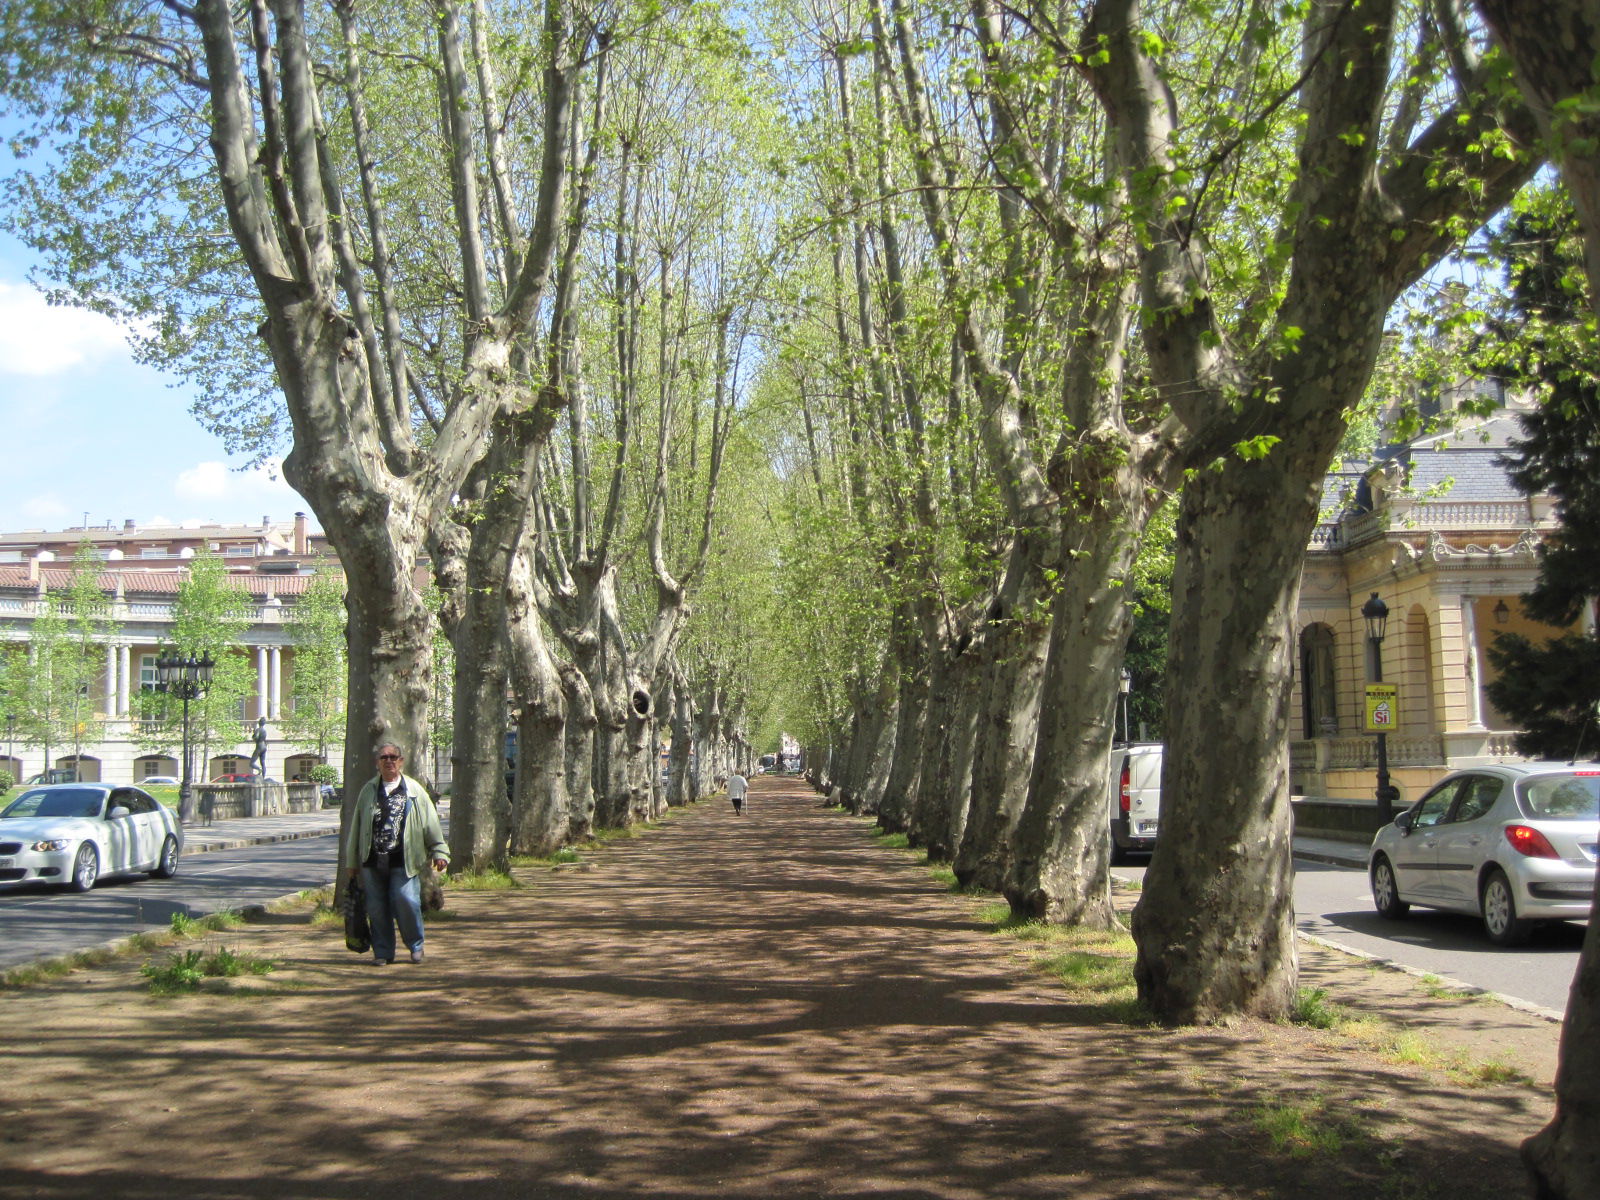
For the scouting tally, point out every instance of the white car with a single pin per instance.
(1513, 843)
(72, 833)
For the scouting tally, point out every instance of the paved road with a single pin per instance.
(1333, 902)
(38, 923)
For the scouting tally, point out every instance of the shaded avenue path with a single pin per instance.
(766, 1006)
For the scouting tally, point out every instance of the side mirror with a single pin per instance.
(1403, 822)
(118, 811)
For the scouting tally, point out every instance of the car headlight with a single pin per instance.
(52, 844)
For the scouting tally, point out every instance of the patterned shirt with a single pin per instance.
(389, 821)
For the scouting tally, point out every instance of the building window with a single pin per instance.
(147, 672)
(239, 551)
(1318, 693)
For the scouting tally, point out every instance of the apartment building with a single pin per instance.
(143, 567)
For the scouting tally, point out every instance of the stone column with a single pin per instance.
(112, 660)
(275, 658)
(261, 681)
(124, 680)
(1469, 650)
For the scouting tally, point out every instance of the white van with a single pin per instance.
(1134, 796)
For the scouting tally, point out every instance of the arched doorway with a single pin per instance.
(1319, 694)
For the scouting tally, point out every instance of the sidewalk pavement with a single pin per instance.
(1332, 851)
(232, 833)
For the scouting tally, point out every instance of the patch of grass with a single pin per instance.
(895, 841)
(1312, 1007)
(1488, 1074)
(227, 964)
(183, 925)
(183, 972)
(487, 879)
(1302, 1128)
(1411, 1049)
(946, 877)
(179, 973)
(561, 857)
(1435, 987)
(1089, 972)
(616, 833)
(1095, 964)
(35, 973)
(997, 916)
(1128, 1010)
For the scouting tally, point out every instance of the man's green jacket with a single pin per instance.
(422, 841)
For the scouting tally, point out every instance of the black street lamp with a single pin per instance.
(1124, 686)
(1376, 613)
(186, 678)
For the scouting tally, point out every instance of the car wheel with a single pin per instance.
(1119, 855)
(168, 866)
(1386, 892)
(1500, 918)
(85, 868)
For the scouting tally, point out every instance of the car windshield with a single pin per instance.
(56, 802)
(1574, 797)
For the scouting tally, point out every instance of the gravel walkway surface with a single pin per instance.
(773, 1005)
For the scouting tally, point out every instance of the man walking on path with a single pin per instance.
(393, 836)
(737, 787)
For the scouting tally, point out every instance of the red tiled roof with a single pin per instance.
(157, 583)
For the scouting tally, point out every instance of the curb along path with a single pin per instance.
(763, 1006)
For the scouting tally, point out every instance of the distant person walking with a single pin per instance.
(393, 836)
(738, 785)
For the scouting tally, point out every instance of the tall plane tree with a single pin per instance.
(1401, 147)
(1556, 46)
(284, 149)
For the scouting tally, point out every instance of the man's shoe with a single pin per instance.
(416, 956)
(382, 962)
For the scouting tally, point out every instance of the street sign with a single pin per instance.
(1383, 707)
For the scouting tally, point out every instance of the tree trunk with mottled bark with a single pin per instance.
(1554, 46)
(578, 743)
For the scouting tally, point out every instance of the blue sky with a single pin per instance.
(89, 431)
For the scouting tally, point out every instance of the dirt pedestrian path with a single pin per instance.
(768, 1006)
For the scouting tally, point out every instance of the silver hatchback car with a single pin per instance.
(1512, 842)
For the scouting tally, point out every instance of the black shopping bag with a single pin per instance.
(357, 933)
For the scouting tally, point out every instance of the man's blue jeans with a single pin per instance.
(393, 898)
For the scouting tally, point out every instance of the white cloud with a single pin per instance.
(238, 496)
(37, 339)
(203, 481)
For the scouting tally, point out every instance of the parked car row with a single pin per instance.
(73, 833)
(1511, 843)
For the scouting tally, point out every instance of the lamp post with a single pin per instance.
(186, 678)
(1124, 686)
(1376, 614)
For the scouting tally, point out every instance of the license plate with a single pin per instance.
(7, 862)
(1147, 826)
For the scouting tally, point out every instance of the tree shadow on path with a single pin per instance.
(764, 1006)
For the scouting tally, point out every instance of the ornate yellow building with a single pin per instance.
(1441, 535)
